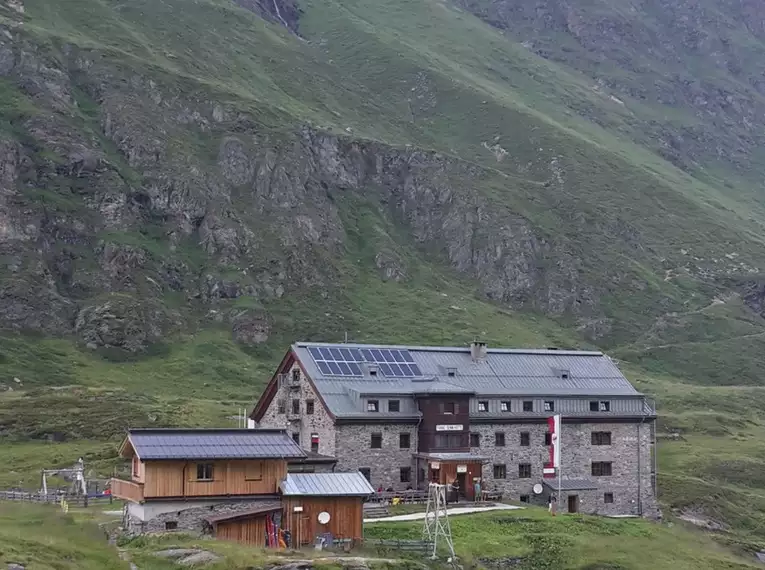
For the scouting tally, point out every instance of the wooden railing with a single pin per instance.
(127, 490)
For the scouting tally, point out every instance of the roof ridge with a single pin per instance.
(206, 430)
(420, 348)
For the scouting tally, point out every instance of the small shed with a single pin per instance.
(320, 504)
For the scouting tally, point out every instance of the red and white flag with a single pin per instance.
(553, 426)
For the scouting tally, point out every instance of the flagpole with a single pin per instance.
(560, 457)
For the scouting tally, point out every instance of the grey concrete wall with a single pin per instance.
(354, 452)
(319, 422)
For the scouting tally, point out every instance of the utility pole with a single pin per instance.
(437, 521)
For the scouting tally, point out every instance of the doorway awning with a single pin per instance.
(456, 457)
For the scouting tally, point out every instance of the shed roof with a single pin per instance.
(570, 484)
(153, 444)
(261, 509)
(503, 372)
(326, 484)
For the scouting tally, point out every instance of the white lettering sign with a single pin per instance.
(435, 465)
(461, 468)
(449, 427)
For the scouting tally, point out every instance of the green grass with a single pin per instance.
(575, 542)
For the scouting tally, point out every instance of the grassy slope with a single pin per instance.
(359, 69)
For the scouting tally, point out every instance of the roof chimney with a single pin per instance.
(478, 351)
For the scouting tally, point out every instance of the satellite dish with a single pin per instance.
(323, 517)
(538, 489)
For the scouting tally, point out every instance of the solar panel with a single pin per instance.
(342, 361)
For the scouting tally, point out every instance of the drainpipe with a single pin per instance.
(639, 463)
(416, 452)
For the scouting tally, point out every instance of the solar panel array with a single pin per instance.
(343, 361)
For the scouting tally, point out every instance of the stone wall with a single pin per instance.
(354, 452)
(305, 424)
(187, 519)
(630, 448)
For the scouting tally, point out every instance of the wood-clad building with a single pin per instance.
(323, 505)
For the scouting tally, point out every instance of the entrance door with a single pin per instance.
(573, 503)
(462, 481)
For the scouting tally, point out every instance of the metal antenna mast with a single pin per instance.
(437, 520)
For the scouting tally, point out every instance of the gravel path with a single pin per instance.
(451, 511)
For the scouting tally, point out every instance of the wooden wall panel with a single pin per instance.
(432, 408)
(346, 517)
(236, 477)
(250, 531)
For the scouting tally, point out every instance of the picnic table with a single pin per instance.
(402, 497)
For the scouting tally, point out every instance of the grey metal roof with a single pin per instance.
(326, 484)
(570, 484)
(504, 372)
(213, 444)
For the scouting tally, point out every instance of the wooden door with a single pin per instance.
(573, 503)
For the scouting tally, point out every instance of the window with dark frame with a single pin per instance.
(296, 374)
(608, 497)
(548, 439)
(499, 439)
(281, 407)
(394, 405)
(204, 471)
(594, 406)
(549, 406)
(524, 470)
(528, 405)
(601, 438)
(450, 408)
(475, 440)
(404, 441)
(483, 406)
(309, 407)
(504, 406)
(600, 406)
(405, 474)
(500, 471)
(601, 468)
(525, 439)
(376, 442)
(366, 472)
(315, 443)
(171, 525)
(295, 406)
(296, 437)
(373, 405)
(525, 499)
(448, 440)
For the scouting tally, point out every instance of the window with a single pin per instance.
(373, 370)
(394, 405)
(504, 406)
(601, 468)
(525, 439)
(136, 466)
(366, 472)
(499, 439)
(601, 406)
(525, 499)
(309, 407)
(253, 471)
(548, 438)
(475, 440)
(296, 374)
(601, 438)
(449, 408)
(373, 406)
(528, 406)
(594, 406)
(171, 525)
(405, 474)
(296, 437)
(608, 497)
(605, 406)
(204, 471)
(549, 406)
(404, 441)
(282, 407)
(500, 471)
(376, 441)
(315, 442)
(295, 406)
(448, 440)
(483, 406)
(451, 372)
(524, 470)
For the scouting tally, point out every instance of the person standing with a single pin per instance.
(551, 504)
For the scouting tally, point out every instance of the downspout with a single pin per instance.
(417, 451)
(639, 462)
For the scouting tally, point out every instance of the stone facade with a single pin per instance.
(354, 452)
(302, 423)
(186, 516)
(629, 454)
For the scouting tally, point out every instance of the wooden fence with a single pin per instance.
(386, 544)
(81, 501)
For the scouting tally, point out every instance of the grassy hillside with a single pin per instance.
(400, 172)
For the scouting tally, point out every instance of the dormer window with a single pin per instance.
(483, 406)
(563, 374)
(451, 372)
(372, 370)
(504, 406)
(373, 405)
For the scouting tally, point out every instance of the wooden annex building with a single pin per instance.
(235, 485)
